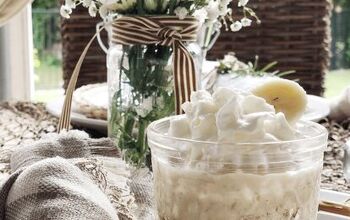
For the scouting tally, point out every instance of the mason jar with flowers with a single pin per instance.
(154, 59)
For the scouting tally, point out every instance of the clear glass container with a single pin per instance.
(250, 181)
(140, 87)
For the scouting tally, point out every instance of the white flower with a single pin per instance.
(160, 102)
(70, 4)
(246, 22)
(145, 107)
(201, 15)
(242, 3)
(165, 4)
(213, 10)
(65, 11)
(229, 58)
(236, 26)
(93, 9)
(87, 3)
(223, 10)
(121, 6)
(150, 5)
(225, 2)
(108, 2)
(181, 12)
(103, 11)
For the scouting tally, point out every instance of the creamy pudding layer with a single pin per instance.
(187, 194)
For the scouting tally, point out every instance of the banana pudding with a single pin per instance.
(238, 155)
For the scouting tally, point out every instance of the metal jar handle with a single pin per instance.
(214, 38)
(99, 40)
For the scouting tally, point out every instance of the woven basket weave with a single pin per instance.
(296, 33)
(76, 33)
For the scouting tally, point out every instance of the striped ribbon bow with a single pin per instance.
(165, 31)
(162, 30)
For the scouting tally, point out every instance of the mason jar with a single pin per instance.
(210, 180)
(141, 90)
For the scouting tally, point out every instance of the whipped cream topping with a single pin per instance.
(231, 116)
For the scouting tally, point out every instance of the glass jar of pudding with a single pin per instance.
(239, 181)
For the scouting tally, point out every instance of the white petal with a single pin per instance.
(225, 2)
(150, 5)
(87, 3)
(201, 15)
(103, 11)
(70, 3)
(230, 58)
(92, 9)
(65, 11)
(223, 10)
(246, 22)
(242, 3)
(213, 10)
(148, 103)
(181, 12)
(236, 26)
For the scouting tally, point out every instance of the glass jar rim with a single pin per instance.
(152, 131)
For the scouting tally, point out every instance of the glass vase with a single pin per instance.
(140, 86)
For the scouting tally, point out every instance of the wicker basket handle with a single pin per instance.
(65, 117)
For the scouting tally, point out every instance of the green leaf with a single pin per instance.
(285, 73)
(268, 66)
(172, 6)
(140, 8)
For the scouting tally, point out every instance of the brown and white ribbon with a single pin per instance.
(165, 31)
(161, 30)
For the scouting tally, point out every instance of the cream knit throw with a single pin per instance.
(44, 185)
(54, 189)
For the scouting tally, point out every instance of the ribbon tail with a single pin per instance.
(184, 71)
(65, 117)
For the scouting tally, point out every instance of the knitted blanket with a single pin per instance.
(70, 176)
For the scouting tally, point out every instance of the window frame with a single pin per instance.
(17, 52)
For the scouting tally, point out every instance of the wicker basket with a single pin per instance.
(76, 33)
(296, 33)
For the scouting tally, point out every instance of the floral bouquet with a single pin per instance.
(152, 59)
(233, 73)
(204, 10)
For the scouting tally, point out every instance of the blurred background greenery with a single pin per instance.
(339, 76)
(47, 50)
(48, 57)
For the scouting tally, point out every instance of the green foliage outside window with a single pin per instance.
(47, 53)
(341, 34)
(45, 4)
(46, 27)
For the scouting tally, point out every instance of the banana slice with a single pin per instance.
(286, 96)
